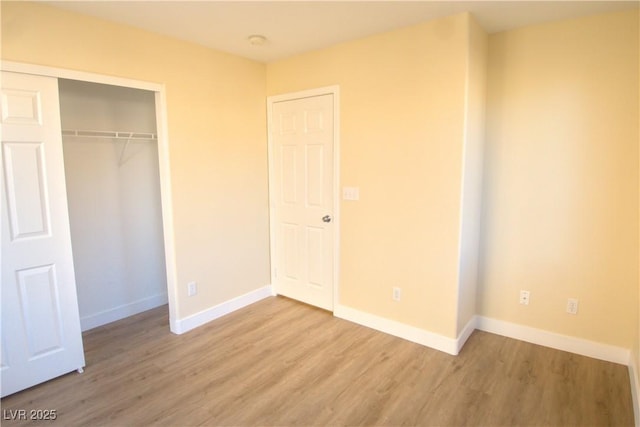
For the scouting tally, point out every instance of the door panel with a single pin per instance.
(315, 256)
(289, 183)
(290, 250)
(26, 190)
(38, 290)
(314, 175)
(41, 336)
(302, 137)
(21, 107)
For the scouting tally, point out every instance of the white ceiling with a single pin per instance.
(293, 27)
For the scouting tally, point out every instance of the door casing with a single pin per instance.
(335, 91)
(163, 157)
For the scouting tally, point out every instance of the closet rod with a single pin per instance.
(110, 134)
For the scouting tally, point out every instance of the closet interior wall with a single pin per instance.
(114, 201)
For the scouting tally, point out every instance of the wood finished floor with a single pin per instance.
(280, 362)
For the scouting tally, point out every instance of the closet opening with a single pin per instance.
(112, 176)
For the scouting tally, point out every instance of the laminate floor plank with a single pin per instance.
(282, 363)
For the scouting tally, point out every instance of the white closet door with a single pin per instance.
(41, 336)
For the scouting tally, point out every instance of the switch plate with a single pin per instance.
(397, 294)
(524, 297)
(350, 193)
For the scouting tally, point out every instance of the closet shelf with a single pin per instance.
(110, 134)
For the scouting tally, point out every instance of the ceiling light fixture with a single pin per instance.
(257, 40)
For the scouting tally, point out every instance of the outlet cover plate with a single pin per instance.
(192, 288)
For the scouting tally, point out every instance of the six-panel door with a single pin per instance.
(41, 336)
(302, 155)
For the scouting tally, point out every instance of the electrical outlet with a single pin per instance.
(192, 288)
(524, 297)
(572, 306)
(397, 293)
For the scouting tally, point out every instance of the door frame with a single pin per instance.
(163, 157)
(327, 90)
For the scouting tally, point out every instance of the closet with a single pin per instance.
(109, 136)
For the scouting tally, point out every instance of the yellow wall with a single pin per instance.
(560, 193)
(402, 118)
(216, 121)
(561, 182)
(474, 136)
(635, 349)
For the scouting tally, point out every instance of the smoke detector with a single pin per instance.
(257, 39)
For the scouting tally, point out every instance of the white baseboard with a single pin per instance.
(453, 346)
(404, 331)
(212, 313)
(466, 332)
(635, 387)
(568, 343)
(107, 316)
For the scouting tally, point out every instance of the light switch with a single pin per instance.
(350, 193)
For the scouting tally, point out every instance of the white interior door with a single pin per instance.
(41, 336)
(302, 138)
